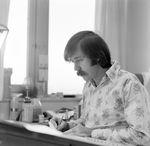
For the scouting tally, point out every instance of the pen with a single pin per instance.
(61, 120)
(66, 115)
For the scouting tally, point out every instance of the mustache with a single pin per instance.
(81, 73)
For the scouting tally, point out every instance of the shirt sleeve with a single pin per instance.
(81, 120)
(136, 102)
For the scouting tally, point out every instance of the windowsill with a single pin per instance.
(53, 99)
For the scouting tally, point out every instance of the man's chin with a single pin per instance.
(85, 78)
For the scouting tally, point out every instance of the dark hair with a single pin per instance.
(91, 45)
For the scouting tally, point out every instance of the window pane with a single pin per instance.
(16, 44)
(65, 19)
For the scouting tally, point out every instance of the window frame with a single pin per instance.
(37, 41)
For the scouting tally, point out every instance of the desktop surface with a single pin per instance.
(23, 134)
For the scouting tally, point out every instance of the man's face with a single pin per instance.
(82, 65)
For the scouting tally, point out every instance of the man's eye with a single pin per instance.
(78, 60)
(71, 61)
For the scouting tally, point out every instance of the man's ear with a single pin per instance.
(94, 62)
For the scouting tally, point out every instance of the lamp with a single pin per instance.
(3, 34)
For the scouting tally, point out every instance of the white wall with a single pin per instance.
(138, 32)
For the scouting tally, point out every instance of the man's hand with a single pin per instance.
(59, 124)
(79, 130)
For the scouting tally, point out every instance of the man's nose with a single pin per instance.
(76, 66)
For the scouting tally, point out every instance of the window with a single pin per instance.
(16, 44)
(29, 33)
(65, 19)
(28, 25)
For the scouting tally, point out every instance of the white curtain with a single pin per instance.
(125, 26)
(4, 11)
(110, 20)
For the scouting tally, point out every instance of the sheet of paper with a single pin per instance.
(37, 128)
(43, 129)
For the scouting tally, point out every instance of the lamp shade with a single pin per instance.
(3, 33)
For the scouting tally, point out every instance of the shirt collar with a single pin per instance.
(113, 71)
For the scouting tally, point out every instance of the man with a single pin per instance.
(115, 104)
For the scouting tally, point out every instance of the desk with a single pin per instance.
(20, 134)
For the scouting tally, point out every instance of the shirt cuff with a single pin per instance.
(103, 134)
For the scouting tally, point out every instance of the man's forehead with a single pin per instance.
(76, 55)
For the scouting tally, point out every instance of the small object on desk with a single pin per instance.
(41, 118)
(53, 95)
(47, 115)
(27, 110)
(37, 109)
(60, 94)
(14, 105)
(69, 96)
(63, 110)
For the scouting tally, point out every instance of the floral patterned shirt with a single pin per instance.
(118, 109)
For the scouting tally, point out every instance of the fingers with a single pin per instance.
(57, 120)
(59, 124)
(63, 126)
(53, 124)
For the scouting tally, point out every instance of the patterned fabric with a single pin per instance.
(118, 109)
